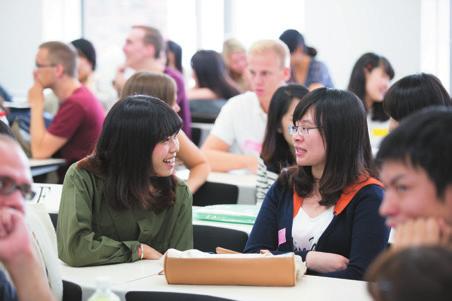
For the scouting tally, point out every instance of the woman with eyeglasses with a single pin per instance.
(123, 203)
(277, 149)
(326, 208)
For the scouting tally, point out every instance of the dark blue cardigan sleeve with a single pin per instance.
(264, 232)
(369, 234)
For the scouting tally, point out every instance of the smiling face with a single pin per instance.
(14, 165)
(409, 194)
(377, 84)
(164, 156)
(135, 50)
(310, 149)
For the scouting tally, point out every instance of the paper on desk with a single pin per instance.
(49, 195)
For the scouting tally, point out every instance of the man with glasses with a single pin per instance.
(16, 249)
(78, 122)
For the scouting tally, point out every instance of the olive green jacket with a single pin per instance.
(91, 232)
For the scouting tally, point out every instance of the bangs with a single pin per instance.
(170, 125)
(387, 67)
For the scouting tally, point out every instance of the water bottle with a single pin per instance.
(103, 291)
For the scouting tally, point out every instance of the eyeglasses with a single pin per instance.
(9, 186)
(38, 66)
(301, 130)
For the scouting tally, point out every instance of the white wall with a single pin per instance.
(343, 30)
(22, 29)
(20, 35)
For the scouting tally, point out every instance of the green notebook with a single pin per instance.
(237, 214)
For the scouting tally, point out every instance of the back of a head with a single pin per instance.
(413, 274)
(276, 46)
(150, 83)
(153, 37)
(423, 140)
(86, 49)
(63, 54)
(413, 93)
(207, 64)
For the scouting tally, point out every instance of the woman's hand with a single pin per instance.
(325, 262)
(150, 253)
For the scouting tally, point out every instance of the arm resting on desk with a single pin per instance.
(195, 161)
(216, 151)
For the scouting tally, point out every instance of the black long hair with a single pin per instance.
(341, 118)
(276, 152)
(123, 154)
(357, 82)
(211, 73)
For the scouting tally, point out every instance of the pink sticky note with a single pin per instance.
(281, 236)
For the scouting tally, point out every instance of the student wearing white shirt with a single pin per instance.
(236, 138)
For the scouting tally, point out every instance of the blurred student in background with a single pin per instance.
(234, 55)
(277, 149)
(306, 69)
(87, 64)
(174, 56)
(211, 79)
(235, 141)
(370, 80)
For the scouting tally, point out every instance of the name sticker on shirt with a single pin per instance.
(281, 236)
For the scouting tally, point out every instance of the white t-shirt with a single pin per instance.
(306, 231)
(241, 124)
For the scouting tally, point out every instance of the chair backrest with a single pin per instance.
(207, 238)
(170, 296)
(212, 193)
(205, 110)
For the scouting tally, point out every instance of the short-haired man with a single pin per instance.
(16, 250)
(78, 121)
(416, 169)
(236, 138)
(144, 50)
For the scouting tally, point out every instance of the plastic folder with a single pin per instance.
(238, 214)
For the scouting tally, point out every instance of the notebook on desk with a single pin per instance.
(238, 214)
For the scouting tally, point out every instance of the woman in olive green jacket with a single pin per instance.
(123, 203)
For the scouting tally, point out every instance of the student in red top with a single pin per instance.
(325, 209)
(78, 122)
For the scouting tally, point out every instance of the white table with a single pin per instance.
(244, 181)
(143, 276)
(44, 166)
